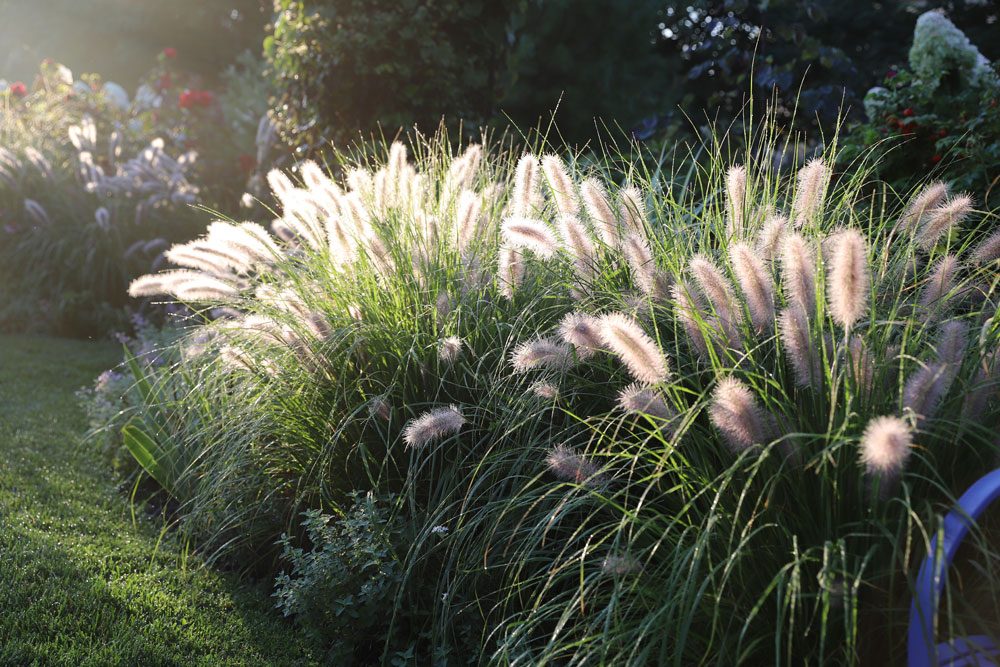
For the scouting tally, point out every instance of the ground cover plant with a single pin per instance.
(705, 412)
(88, 581)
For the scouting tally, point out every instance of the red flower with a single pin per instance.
(891, 73)
(18, 89)
(943, 133)
(908, 111)
(170, 52)
(935, 159)
(195, 98)
(247, 163)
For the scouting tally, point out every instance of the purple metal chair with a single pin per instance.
(921, 648)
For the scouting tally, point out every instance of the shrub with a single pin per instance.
(940, 114)
(695, 418)
(94, 187)
(346, 68)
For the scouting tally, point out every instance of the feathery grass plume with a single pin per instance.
(942, 219)
(988, 250)
(848, 277)
(379, 407)
(281, 186)
(443, 305)
(644, 271)
(314, 177)
(952, 342)
(640, 353)
(595, 198)
(633, 209)
(930, 197)
(450, 349)
(885, 446)
(794, 327)
(467, 219)
(689, 309)
(637, 399)
(37, 212)
(146, 286)
(925, 388)
(771, 236)
(510, 270)
(798, 270)
(983, 388)
(813, 180)
(540, 353)
(545, 390)
(755, 283)
(560, 185)
(250, 237)
(433, 425)
(583, 332)
(736, 191)
(193, 258)
(525, 197)
(738, 416)
(719, 293)
(569, 466)
(862, 364)
(577, 241)
(940, 284)
(529, 234)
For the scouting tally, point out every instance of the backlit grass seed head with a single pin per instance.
(633, 209)
(510, 270)
(737, 415)
(379, 407)
(755, 283)
(595, 198)
(940, 284)
(689, 310)
(848, 278)
(736, 189)
(540, 353)
(528, 234)
(925, 388)
(885, 446)
(794, 328)
(560, 185)
(641, 400)
(798, 271)
(952, 342)
(577, 242)
(569, 466)
(467, 219)
(941, 220)
(640, 353)
(718, 291)
(862, 364)
(988, 250)
(545, 391)
(813, 180)
(930, 197)
(433, 425)
(525, 197)
(771, 236)
(583, 332)
(450, 349)
(640, 260)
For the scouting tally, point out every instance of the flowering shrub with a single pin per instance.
(95, 186)
(709, 421)
(939, 114)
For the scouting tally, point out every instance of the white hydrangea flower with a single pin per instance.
(940, 48)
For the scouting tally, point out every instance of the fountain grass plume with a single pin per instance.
(756, 284)
(941, 220)
(798, 270)
(736, 190)
(583, 332)
(640, 353)
(595, 199)
(849, 277)
(738, 416)
(433, 425)
(810, 195)
(560, 185)
(541, 353)
(529, 234)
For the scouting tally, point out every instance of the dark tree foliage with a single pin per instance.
(818, 54)
(345, 66)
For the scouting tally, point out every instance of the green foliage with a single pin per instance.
(87, 578)
(943, 122)
(339, 590)
(345, 67)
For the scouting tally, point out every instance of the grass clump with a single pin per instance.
(699, 415)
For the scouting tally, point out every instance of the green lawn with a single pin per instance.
(80, 582)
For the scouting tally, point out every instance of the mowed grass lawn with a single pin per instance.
(81, 583)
